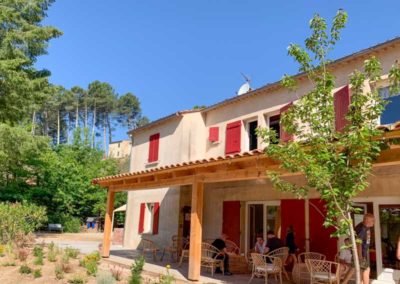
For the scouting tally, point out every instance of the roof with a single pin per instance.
(163, 120)
(277, 84)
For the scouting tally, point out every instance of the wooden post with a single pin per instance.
(107, 224)
(196, 231)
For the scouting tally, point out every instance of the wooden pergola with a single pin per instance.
(245, 166)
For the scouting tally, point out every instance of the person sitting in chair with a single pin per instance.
(273, 242)
(221, 246)
(260, 246)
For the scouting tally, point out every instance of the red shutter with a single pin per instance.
(156, 217)
(153, 147)
(214, 134)
(231, 220)
(284, 136)
(341, 101)
(141, 217)
(232, 143)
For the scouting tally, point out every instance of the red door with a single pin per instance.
(293, 214)
(231, 220)
(320, 237)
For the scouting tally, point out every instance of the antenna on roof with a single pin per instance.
(245, 87)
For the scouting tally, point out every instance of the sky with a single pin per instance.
(175, 54)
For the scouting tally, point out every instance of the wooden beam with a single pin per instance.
(196, 217)
(107, 224)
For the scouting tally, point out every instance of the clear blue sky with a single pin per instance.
(175, 54)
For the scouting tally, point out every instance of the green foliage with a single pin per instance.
(23, 38)
(167, 278)
(8, 263)
(71, 252)
(2, 250)
(37, 273)
(77, 279)
(105, 277)
(52, 256)
(59, 272)
(136, 270)
(25, 269)
(17, 219)
(38, 260)
(72, 225)
(90, 262)
(91, 267)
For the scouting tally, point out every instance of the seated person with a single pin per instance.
(260, 246)
(346, 261)
(221, 246)
(273, 242)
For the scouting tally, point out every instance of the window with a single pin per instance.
(252, 135)
(232, 143)
(391, 114)
(274, 123)
(148, 218)
(153, 147)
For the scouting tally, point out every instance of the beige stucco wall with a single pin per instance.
(119, 149)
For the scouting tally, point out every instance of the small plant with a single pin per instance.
(136, 270)
(37, 273)
(2, 250)
(25, 269)
(59, 272)
(37, 251)
(167, 278)
(116, 272)
(91, 267)
(23, 254)
(77, 279)
(105, 277)
(52, 256)
(71, 252)
(51, 246)
(8, 263)
(38, 260)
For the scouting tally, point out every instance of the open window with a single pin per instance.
(251, 128)
(148, 218)
(274, 123)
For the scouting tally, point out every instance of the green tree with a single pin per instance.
(335, 163)
(128, 109)
(22, 40)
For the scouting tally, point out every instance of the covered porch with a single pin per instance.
(241, 167)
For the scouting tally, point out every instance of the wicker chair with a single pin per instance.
(176, 248)
(232, 247)
(323, 271)
(283, 254)
(184, 253)
(264, 266)
(147, 246)
(209, 258)
(302, 257)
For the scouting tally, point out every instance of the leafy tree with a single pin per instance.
(22, 40)
(128, 108)
(335, 163)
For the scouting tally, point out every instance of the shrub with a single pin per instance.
(23, 254)
(72, 224)
(2, 250)
(59, 272)
(136, 270)
(52, 256)
(105, 277)
(25, 269)
(19, 219)
(91, 267)
(38, 260)
(71, 252)
(8, 263)
(37, 273)
(77, 279)
(51, 246)
(38, 251)
(116, 272)
(65, 265)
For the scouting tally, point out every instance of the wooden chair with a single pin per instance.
(147, 246)
(302, 257)
(323, 271)
(283, 254)
(176, 248)
(264, 266)
(209, 258)
(184, 253)
(232, 247)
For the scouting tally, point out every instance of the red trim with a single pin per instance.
(341, 102)
(284, 136)
(232, 143)
(153, 147)
(213, 134)
(156, 217)
(141, 217)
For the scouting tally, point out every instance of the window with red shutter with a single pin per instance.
(141, 217)
(341, 102)
(156, 217)
(213, 134)
(232, 143)
(153, 147)
(284, 136)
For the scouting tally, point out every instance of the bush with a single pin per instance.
(72, 225)
(136, 271)
(91, 267)
(23, 254)
(105, 277)
(19, 219)
(38, 260)
(65, 265)
(71, 252)
(37, 273)
(2, 250)
(59, 272)
(77, 279)
(116, 272)
(38, 251)
(52, 256)
(25, 269)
